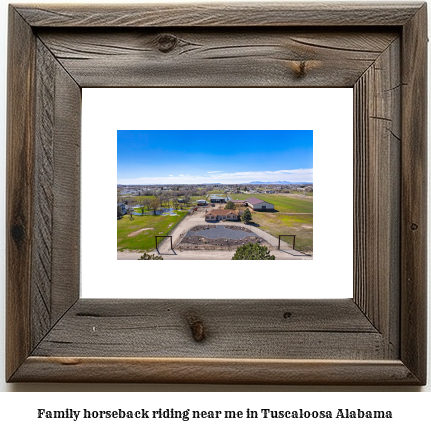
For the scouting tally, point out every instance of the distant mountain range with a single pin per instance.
(220, 184)
(281, 182)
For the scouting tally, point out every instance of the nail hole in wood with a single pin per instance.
(287, 314)
(414, 226)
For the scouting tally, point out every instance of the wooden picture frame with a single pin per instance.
(378, 337)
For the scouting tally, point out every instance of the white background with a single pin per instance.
(19, 409)
(328, 112)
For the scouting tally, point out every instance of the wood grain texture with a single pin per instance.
(19, 200)
(216, 371)
(55, 268)
(43, 194)
(216, 57)
(414, 195)
(219, 15)
(377, 149)
(66, 188)
(234, 329)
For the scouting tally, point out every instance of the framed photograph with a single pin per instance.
(215, 194)
(55, 333)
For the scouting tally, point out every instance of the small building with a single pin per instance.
(201, 202)
(259, 205)
(215, 215)
(217, 199)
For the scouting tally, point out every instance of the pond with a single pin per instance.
(221, 232)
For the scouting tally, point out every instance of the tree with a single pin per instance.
(170, 198)
(252, 252)
(246, 217)
(162, 199)
(146, 202)
(230, 206)
(154, 204)
(119, 212)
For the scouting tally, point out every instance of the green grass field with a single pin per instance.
(283, 224)
(216, 191)
(282, 203)
(140, 198)
(144, 241)
(287, 219)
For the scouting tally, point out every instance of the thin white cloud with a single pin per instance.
(294, 175)
(213, 172)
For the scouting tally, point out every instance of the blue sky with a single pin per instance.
(213, 156)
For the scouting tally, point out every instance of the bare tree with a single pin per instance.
(145, 202)
(168, 198)
(154, 204)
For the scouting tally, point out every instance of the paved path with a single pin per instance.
(208, 255)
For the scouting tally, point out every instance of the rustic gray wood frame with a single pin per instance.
(378, 337)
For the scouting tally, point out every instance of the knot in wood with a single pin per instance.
(167, 42)
(197, 328)
(287, 314)
(414, 226)
(301, 69)
(18, 233)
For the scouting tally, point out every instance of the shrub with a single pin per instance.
(147, 256)
(252, 252)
